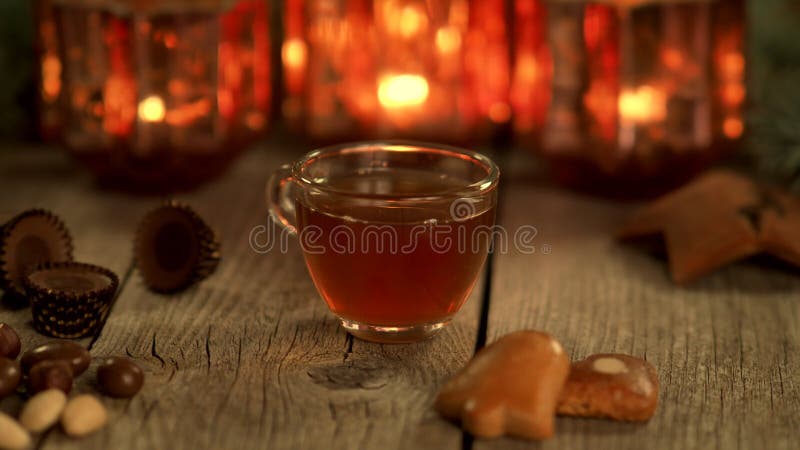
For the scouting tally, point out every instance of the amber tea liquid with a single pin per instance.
(393, 266)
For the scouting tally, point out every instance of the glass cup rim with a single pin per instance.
(477, 188)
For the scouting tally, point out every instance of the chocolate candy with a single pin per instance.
(9, 342)
(30, 238)
(77, 356)
(10, 375)
(175, 248)
(50, 374)
(119, 377)
(69, 299)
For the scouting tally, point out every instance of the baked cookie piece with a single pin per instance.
(702, 223)
(509, 388)
(719, 218)
(612, 386)
(780, 226)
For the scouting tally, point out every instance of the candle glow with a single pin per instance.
(294, 53)
(732, 127)
(645, 104)
(396, 67)
(152, 109)
(500, 112)
(411, 21)
(402, 91)
(448, 40)
(51, 77)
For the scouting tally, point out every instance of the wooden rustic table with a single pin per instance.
(251, 358)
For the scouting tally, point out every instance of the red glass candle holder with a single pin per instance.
(48, 74)
(629, 93)
(162, 95)
(411, 68)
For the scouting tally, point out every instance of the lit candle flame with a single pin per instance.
(732, 127)
(733, 94)
(152, 109)
(51, 77)
(527, 68)
(733, 64)
(672, 58)
(411, 21)
(294, 53)
(499, 112)
(645, 104)
(448, 40)
(402, 90)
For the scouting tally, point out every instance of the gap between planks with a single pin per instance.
(467, 441)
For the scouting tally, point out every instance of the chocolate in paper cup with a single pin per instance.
(69, 299)
(32, 237)
(175, 248)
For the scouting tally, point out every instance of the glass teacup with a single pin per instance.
(394, 233)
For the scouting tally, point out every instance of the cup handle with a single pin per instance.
(279, 202)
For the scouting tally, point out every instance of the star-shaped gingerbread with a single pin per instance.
(779, 227)
(717, 219)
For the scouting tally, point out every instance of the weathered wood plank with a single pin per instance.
(251, 358)
(726, 349)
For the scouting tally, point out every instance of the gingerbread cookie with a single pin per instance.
(717, 219)
(612, 386)
(702, 223)
(509, 388)
(779, 226)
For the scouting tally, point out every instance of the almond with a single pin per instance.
(83, 415)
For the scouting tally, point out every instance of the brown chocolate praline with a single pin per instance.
(69, 299)
(74, 354)
(50, 374)
(32, 237)
(10, 374)
(9, 342)
(70, 279)
(119, 377)
(175, 248)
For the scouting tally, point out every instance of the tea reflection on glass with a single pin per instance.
(394, 234)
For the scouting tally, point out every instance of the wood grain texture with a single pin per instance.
(726, 348)
(251, 358)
